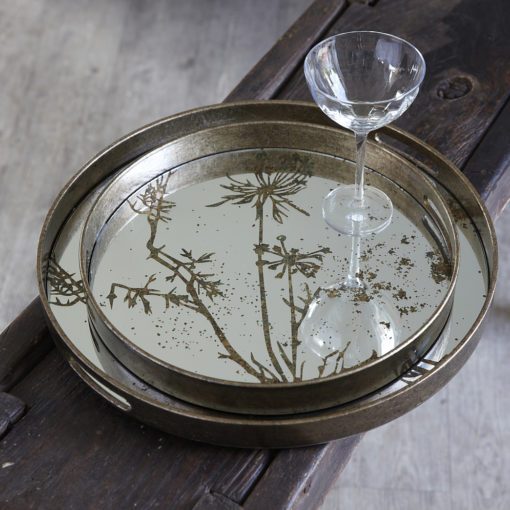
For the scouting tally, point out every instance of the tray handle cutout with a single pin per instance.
(115, 399)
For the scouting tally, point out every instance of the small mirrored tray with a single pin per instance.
(209, 270)
(64, 300)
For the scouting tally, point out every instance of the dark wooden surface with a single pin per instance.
(72, 450)
(11, 410)
(20, 350)
(489, 164)
(270, 74)
(460, 40)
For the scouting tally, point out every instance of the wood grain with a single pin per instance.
(22, 344)
(11, 410)
(489, 164)
(387, 499)
(325, 463)
(458, 39)
(275, 67)
(213, 501)
(110, 458)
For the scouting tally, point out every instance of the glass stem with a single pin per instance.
(353, 280)
(359, 180)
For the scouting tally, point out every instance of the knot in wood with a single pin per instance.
(454, 88)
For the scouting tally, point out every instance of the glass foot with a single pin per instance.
(344, 214)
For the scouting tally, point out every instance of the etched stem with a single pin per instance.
(202, 309)
(263, 301)
(174, 266)
(293, 323)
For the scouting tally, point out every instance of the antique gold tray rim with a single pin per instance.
(264, 386)
(396, 404)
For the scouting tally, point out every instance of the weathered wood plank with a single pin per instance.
(238, 481)
(22, 344)
(467, 52)
(489, 165)
(324, 462)
(275, 67)
(11, 410)
(72, 439)
(182, 472)
(213, 501)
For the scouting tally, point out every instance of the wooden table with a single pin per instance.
(65, 447)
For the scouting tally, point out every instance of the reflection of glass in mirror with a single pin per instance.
(362, 81)
(348, 321)
(351, 325)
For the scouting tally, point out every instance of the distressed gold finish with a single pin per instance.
(279, 386)
(128, 393)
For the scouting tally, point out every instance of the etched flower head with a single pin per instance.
(292, 260)
(156, 206)
(270, 185)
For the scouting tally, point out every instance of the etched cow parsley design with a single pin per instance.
(193, 286)
(66, 289)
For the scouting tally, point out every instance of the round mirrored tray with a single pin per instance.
(64, 301)
(212, 273)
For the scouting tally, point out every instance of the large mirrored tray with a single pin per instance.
(207, 256)
(64, 302)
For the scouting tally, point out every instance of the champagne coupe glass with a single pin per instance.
(362, 81)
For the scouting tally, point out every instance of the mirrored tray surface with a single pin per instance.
(209, 280)
(67, 312)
